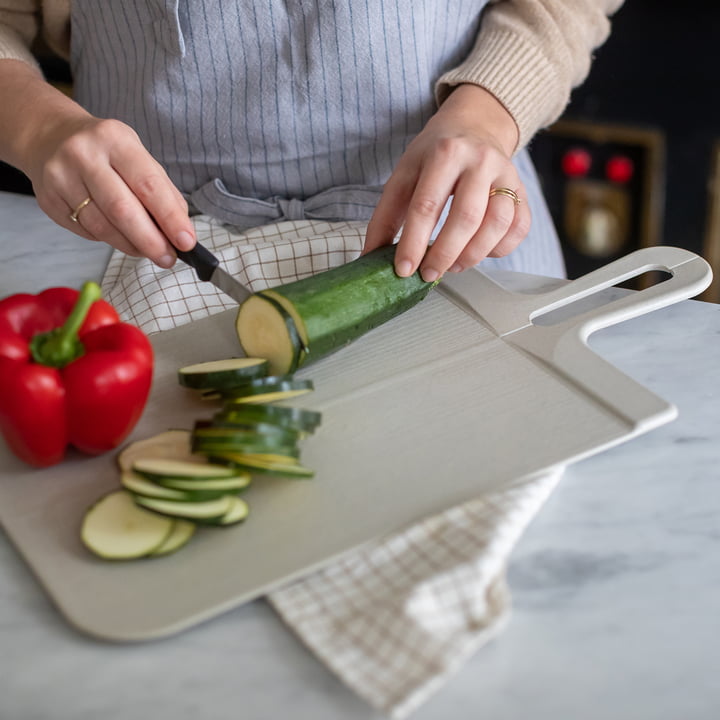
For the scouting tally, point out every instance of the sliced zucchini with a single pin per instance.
(181, 533)
(227, 485)
(219, 374)
(217, 449)
(239, 510)
(235, 426)
(291, 418)
(269, 389)
(115, 528)
(160, 468)
(196, 511)
(266, 464)
(169, 444)
(138, 485)
(305, 320)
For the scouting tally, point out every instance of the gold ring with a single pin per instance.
(76, 211)
(507, 192)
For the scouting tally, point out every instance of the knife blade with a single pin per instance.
(207, 267)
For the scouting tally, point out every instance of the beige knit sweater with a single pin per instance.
(529, 54)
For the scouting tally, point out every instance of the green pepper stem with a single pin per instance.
(61, 346)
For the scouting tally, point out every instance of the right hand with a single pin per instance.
(134, 205)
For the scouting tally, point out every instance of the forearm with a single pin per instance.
(29, 108)
(530, 54)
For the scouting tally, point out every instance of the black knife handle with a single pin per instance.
(201, 259)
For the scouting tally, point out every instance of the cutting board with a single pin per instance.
(473, 390)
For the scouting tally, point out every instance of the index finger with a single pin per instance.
(161, 199)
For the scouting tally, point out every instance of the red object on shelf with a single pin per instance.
(576, 162)
(619, 169)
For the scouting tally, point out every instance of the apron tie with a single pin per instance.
(346, 202)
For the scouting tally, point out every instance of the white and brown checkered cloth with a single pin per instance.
(397, 617)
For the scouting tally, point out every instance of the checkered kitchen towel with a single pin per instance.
(395, 618)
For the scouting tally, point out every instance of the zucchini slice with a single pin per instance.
(115, 528)
(303, 321)
(160, 468)
(196, 511)
(169, 444)
(140, 486)
(219, 374)
(193, 487)
(181, 533)
(292, 418)
(268, 389)
(266, 464)
(217, 449)
(237, 512)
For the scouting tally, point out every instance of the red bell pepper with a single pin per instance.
(70, 374)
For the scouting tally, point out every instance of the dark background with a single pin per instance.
(660, 68)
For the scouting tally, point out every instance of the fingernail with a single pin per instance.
(404, 268)
(166, 261)
(457, 267)
(184, 240)
(429, 274)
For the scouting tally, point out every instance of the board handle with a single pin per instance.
(507, 311)
(563, 345)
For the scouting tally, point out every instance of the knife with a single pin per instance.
(207, 267)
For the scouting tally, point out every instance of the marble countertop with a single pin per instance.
(616, 584)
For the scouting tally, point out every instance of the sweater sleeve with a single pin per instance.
(19, 25)
(530, 54)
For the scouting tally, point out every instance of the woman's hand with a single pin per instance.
(464, 152)
(69, 156)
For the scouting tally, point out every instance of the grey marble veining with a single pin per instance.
(616, 584)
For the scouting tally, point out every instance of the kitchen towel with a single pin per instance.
(397, 617)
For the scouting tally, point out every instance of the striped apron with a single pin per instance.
(273, 111)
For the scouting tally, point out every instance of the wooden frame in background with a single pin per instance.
(711, 247)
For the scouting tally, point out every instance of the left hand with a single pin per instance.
(464, 151)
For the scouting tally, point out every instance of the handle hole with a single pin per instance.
(601, 298)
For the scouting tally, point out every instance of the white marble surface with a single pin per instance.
(616, 584)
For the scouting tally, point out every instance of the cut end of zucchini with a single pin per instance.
(268, 326)
(220, 374)
(115, 528)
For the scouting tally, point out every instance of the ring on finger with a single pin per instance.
(512, 194)
(74, 214)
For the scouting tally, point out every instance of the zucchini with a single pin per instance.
(194, 488)
(195, 511)
(266, 464)
(140, 486)
(291, 418)
(160, 468)
(267, 389)
(225, 428)
(115, 528)
(219, 374)
(236, 513)
(169, 444)
(303, 321)
(181, 533)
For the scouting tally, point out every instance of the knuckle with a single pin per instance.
(440, 258)
(425, 206)
(500, 221)
(95, 225)
(467, 217)
(111, 129)
(119, 211)
(147, 187)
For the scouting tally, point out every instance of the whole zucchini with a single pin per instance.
(294, 324)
